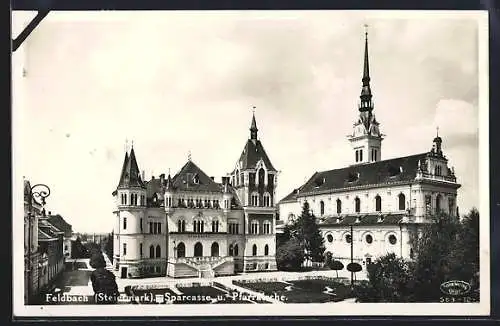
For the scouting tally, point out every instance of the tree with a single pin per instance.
(437, 256)
(290, 255)
(336, 265)
(390, 280)
(108, 245)
(308, 234)
(78, 250)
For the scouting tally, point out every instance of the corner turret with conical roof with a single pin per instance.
(254, 176)
(130, 176)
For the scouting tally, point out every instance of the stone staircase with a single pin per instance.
(205, 265)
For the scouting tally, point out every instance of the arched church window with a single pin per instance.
(266, 250)
(339, 206)
(322, 208)
(254, 250)
(357, 205)
(402, 202)
(392, 239)
(151, 251)
(378, 203)
(158, 251)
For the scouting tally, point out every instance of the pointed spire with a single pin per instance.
(253, 126)
(169, 180)
(366, 92)
(131, 176)
(366, 68)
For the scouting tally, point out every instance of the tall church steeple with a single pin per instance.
(366, 138)
(366, 92)
(253, 127)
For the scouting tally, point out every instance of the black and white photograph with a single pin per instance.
(233, 163)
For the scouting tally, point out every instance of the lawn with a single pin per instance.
(302, 291)
(265, 287)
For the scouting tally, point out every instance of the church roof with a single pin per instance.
(364, 219)
(130, 176)
(401, 169)
(252, 153)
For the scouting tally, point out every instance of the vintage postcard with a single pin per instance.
(235, 163)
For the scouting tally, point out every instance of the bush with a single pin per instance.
(390, 280)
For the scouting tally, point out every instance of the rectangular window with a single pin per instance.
(140, 224)
(360, 155)
(124, 223)
(124, 249)
(357, 155)
(150, 227)
(140, 249)
(159, 228)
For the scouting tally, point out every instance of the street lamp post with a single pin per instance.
(352, 258)
(38, 193)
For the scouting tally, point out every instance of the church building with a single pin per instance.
(189, 225)
(372, 206)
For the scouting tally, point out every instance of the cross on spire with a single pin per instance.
(437, 131)
(189, 155)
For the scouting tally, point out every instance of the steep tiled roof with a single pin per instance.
(59, 222)
(130, 176)
(364, 219)
(399, 169)
(252, 153)
(192, 178)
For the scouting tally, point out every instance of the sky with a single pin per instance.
(180, 82)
